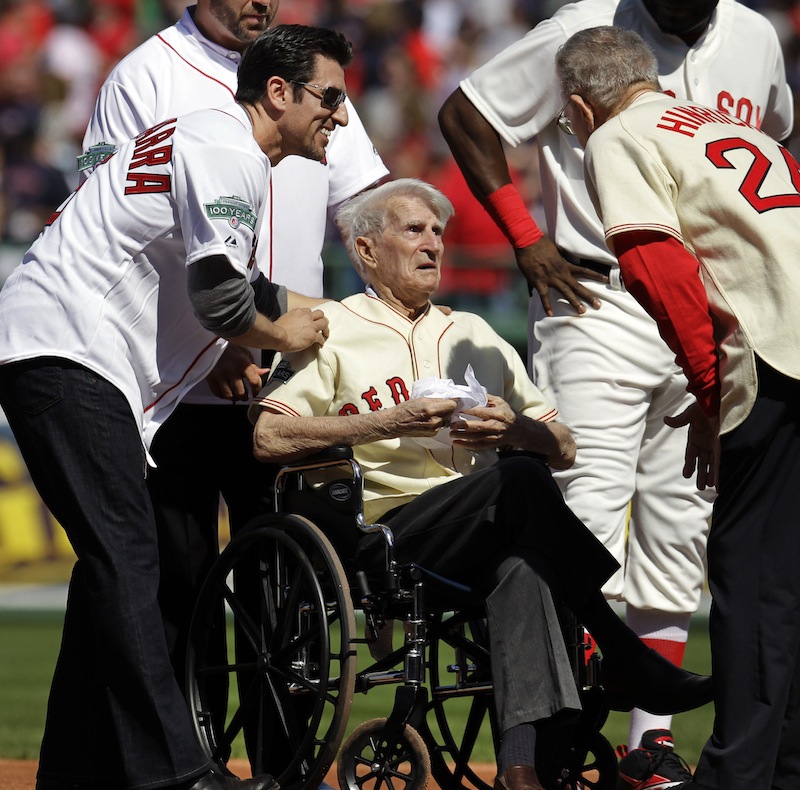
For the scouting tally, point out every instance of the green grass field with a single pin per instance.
(29, 645)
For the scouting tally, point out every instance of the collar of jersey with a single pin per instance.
(188, 22)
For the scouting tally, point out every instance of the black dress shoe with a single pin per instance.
(216, 780)
(518, 777)
(649, 681)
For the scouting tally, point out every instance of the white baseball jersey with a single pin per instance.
(371, 360)
(178, 71)
(736, 66)
(105, 283)
(610, 373)
(731, 195)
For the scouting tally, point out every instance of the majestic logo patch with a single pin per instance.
(231, 241)
(339, 491)
(282, 373)
(233, 209)
(95, 155)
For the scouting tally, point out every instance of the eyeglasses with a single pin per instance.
(330, 97)
(563, 122)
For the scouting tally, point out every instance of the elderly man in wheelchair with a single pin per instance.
(434, 475)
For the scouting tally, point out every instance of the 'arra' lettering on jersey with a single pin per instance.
(150, 152)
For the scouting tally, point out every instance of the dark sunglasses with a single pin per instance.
(330, 97)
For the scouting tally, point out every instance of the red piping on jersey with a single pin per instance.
(191, 65)
(655, 227)
(281, 407)
(185, 374)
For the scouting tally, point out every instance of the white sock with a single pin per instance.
(667, 633)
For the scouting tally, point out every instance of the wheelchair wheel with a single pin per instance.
(464, 719)
(369, 762)
(271, 659)
(598, 770)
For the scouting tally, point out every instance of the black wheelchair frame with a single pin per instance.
(272, 660)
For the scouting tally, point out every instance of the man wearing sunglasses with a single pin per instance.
(122, 304)
(594, 351)
(204, 451)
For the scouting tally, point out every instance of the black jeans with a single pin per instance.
(116, 717)
(507, 531)
(754, 576)
(200, 452)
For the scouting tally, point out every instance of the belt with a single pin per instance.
(587, 263)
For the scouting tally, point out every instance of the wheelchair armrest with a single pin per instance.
(324, 457)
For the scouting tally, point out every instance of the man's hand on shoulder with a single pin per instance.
(302, 327)
(544, 268)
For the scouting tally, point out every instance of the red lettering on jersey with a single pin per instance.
(756, 173)
(687, 120)
(150, 137)
(725, 102)
(145, 153)
(677, 125)
(153, 156)
(398, 389)
(348, 408)
(371, 398)
(742, 109)
(146, 183)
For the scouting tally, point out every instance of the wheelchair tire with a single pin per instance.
(368, 762)
(271, 658)
(598, 771)
(460, 682)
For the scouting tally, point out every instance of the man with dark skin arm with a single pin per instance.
(593, 350)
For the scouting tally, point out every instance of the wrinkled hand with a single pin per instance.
(418, 417)
(236, 377)
(304, 327)
(702, 446)
(493, 428)
(544, 268)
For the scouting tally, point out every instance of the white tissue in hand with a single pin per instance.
(467, 396)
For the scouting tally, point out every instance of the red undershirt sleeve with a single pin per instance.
(663, 277)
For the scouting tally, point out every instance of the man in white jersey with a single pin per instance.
(605, 366)
(703, 213)
(189, 66)
(120, 306)
(454, 508)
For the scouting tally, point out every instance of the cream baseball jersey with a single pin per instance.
(736, 66)
(178, 71)
(105, 283)
(731, 195)
(371, 360)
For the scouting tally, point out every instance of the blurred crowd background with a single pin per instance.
(411, 54)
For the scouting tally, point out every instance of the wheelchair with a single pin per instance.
(273, 653)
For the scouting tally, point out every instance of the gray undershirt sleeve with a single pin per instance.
(225, 303)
